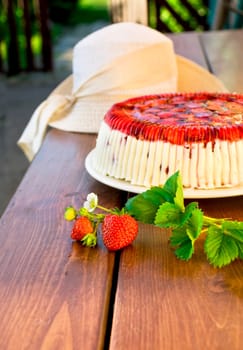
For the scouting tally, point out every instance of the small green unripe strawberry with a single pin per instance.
(70, 213)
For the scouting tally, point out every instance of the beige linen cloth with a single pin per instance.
(117, 62)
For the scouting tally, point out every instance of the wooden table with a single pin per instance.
(56, 294)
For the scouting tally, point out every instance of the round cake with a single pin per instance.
(145, 140)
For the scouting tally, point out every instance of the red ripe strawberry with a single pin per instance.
(82, 227)
(119, 231)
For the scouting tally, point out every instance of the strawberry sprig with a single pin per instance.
(119, 229)
(164, 207)
(86, 222)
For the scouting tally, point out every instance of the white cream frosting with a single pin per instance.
(150, 163)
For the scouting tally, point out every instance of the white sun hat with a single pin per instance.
(114, 63)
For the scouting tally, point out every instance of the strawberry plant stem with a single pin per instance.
(208, 221)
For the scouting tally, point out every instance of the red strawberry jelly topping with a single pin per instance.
(180, 117)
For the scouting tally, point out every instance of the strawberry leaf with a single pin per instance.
(179, 197)
(185, 250)
(178, 237)
(233, 229)
(183, 237)
(145, 205)
(171, 184)
(220, 248)
(158, 195)
(188, 212)
(195, 223)
(168, 215)
(165, 208)
(240, 247)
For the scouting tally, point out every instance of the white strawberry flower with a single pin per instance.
(91, 203)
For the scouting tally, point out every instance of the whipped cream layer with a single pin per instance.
(215, 164)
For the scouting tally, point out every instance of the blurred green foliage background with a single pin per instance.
(65, 14)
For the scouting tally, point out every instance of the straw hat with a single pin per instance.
(117, 62)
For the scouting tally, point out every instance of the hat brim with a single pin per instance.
(194, 78)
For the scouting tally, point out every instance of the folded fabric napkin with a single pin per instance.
(117, 62)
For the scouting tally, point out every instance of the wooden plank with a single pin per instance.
(225, 56)
(164, 303)
(54, 294)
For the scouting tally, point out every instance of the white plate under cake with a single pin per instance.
(146, 139)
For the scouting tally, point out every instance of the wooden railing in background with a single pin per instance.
(185, 16)
(18, 19)
(163, 15)
(22, 17)
(130, 11)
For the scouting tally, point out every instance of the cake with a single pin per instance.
(146, 139)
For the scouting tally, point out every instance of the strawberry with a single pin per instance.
(118, 231)
(81, 228)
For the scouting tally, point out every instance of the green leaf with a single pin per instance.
(171, 184)
(168, 215)
(179, 197)
(184, 236)
(192, 226)
(158, 195)
(233, 229)
(195, 223)
(142, 209)
(188, 212)
(220, 248)
(145, 205)
(178, 236)
(185, 250)
(240, 247)
(164, 207)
